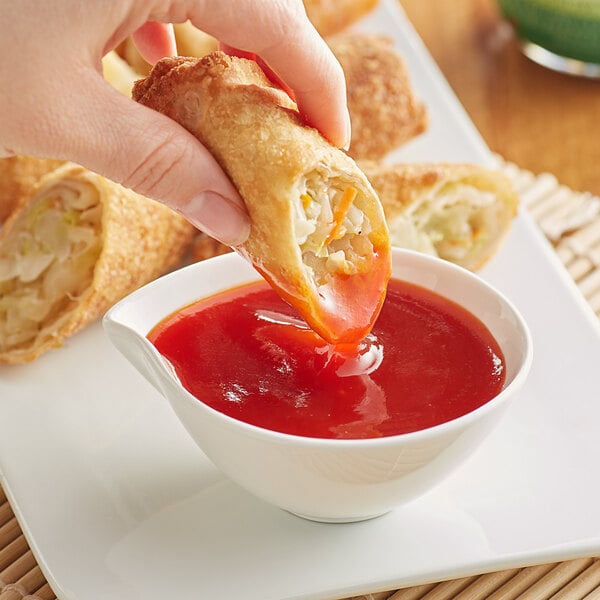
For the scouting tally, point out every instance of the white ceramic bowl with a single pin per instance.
(324, 479)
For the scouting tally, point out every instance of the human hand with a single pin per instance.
(55, 102)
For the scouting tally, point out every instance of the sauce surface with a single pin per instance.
(246, 353)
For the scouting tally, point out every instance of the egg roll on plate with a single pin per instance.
(318, 233)
(459, 212)
(18, 177)
(384, 110)
(79, 244)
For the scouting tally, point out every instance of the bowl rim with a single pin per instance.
(282, 438)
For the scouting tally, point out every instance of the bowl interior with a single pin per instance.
(482, 300)
(143, 309)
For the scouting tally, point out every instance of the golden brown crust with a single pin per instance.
(140, 240)
(401, 185)
(384, 111)
(332, 16)
(18, 177)
(413, 189)
(254, 131)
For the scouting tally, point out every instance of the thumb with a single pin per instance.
(151, 154)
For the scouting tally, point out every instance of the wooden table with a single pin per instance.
(541, 120)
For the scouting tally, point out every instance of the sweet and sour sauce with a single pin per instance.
(246, 353)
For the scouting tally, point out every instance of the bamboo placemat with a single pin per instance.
(571, 221)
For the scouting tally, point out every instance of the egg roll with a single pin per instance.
(332, 16)
(384, 110)
(318, 233)
(459, 212)
(18, 177)
(79, 244)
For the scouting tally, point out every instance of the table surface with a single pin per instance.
(539, 119)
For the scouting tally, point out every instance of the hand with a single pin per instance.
(55, 102)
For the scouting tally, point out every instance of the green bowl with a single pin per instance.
(567, 28)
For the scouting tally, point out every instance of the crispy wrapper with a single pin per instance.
(318, 232)
(18, 177)
(79, 244)
(459, 212)
(384, 111)
(332, 16)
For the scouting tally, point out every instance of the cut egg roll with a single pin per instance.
(384, 110)
(318, 233)
(18, 177)
(332, 16)
(459, 212)
(79, 244)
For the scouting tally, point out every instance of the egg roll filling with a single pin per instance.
(331, 230)
(450, 222)
(47, 261)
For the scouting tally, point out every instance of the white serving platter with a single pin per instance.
(118, 503)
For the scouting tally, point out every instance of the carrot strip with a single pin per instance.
(340, 211)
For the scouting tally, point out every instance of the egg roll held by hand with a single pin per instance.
(318, 233)
(79, 244)
(459, 212)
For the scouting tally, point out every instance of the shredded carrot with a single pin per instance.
(339, 213)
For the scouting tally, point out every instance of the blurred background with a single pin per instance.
(540, 119)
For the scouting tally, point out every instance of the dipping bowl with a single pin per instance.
(332, 480)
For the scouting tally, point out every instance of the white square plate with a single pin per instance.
(118, 503)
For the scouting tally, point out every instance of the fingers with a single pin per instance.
(153, 155)
(266, 69)
(155, 40)
(286, 41)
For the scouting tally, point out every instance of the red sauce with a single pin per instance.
(246, 353)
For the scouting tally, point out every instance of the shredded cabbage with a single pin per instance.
(47, 261)
(315, 202)
(449, 223)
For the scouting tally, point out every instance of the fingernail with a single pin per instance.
(218, 217)
(348, 134)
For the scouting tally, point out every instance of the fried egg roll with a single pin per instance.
(459, 212)
(384, 111)
(318, 233)
(332, 16)
(18, 177)
(79, 244)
